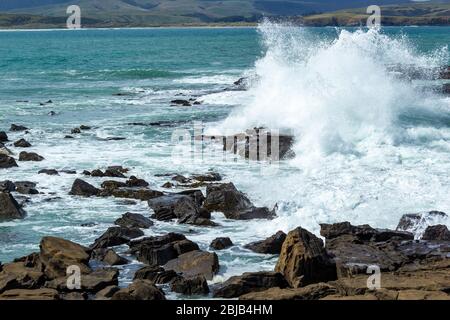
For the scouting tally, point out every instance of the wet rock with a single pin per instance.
(83, 127)
(97, 173)
(9, 208)
(82, 188)
(438, 232)
(69, 171)
(91, 282)
(168, 185)
(57, 254)
(156, 274)
(15, 127)
(26, 187)
(115, 236)
(207, 177)
(50, 172)
(311, 292)
(271, 245)
(221, 243)
(7, 161)
(250, 282)
(7, 186)
(363, 232)
(75, 131)
(182, 102)
(112, 185)
(196, 195)
(86, 173)
(164, 206)
(140, 290)
(3, 136)
(115, 138)
(445, 73)
(181, 179)
(134, 220)
(68, 137)
(30, 156)
(418, 222)
(142, 194)
(24, 294)
(446, 88)
(113, 173)
(134, 182)
(22, 143)
(107, 293)
(190, 286)
(108, 256)
(303, 259)
(159, 250)
(195, 263)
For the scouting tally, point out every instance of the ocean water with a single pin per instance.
(370, 145)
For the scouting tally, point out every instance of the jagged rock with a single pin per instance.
(82, 188)
(9, 208)
(195, 263)
(3, 136)
(362, 233)
(7, 186)
(107, 293)
(314, 291)
(271, 245)
(207, 177)
(250, 282)
(108, 256)
(22, 143)
(438, 232)
(26, 187)
(50, 172)
(418, 222)
(221, 243)
(22, 274)
(91, 282)
(24, 294)
(57, 254)
(161, 249)
(30, 156)
(7, 161)
(115, 236)
(196, 195)
(15, 127)
(303, 259)
(156, 274)
(140, 290)
(134, 220)
(191, 286)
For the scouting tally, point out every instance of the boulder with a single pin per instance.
(9, 208)
(190, 286)
(108, 256)
(7, 186)
(140, 290)
(207, 177)
(271, 245)
(115, 236)
(438, 232)
(142, 194)
(97, 173)
(110, 185)
(24, 294)
(156, 274)
(114, 173)
(250, 282)
(22, 143)
(58, 254)
(303, 259)
(30, 156)
(175, 206)
(50, 172)
(106, 293)
(221, 243)
(82, 188)
(195, 263)
(25, 274)
(15, 127)
(314, 291)
(362, 233)
(3, 136)
(7, 161)
(182, 102)
(134, 220)
(75, 131)
(91, 282)
(134, 182)
(26, 187)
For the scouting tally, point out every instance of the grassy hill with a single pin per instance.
(147, 13)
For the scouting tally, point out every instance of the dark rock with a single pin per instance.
(207, 177)
(75, 131)
(250, 282)
(15, 127)
(446, 88)
(89, 224)
(106, 293)
(438, 232)
(69, 171)
(97, 173)
(134, 182)
(362, 233)
(57, 254)
(142, 194)
(68, 137)
(190, 286)
(26, 187)
(168, 185)
(134, 220)
(30, 156)
(3, 136)
(303, 259)
(115, 138)
(180, 179)
(195, 263)
(115, 236)
(182, 102)
(9, 208)
(112, 185)
(82, 188)
(7, 186)
(114, 173)
(22, 143)
(50, 172)
(221, 243)
(108, 256)
(7, 161)
(196, 195)
(140, 290)
(156, 274)
(86, 173)
(83, 127)
(271, 245)
(118, 168)
(418, 222)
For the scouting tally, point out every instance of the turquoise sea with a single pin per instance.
(371, 145)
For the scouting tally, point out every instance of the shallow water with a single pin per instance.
(371, 147)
